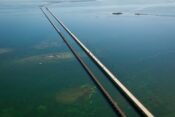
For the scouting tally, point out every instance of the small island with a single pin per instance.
(140, 14)
(117, 13)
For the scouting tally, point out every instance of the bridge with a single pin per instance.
(142, 110)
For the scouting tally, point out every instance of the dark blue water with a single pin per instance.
(140, 50)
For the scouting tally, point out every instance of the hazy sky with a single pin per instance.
(120, 1)
(115, 2)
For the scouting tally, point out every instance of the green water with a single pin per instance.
(37, 70)
(36, 66)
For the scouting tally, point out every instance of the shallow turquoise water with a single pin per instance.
(34, 74)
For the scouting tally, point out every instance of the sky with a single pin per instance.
(12, 3)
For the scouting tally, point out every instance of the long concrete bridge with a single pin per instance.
(143, 111)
